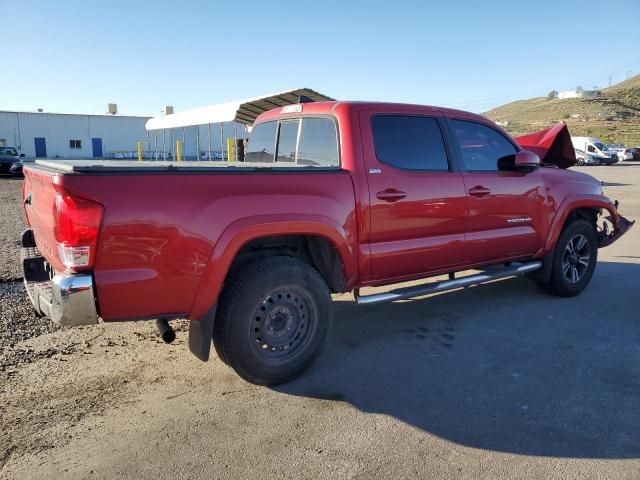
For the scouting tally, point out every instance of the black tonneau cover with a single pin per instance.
(149, 166)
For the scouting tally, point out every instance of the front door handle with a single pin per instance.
(479, 191)
(391, 195)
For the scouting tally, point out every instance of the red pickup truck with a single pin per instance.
(330, 197)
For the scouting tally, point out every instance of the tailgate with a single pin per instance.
(39, 198)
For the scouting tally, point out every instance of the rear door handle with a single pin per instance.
(479, 191)
(391, 195)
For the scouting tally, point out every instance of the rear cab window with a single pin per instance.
(262, 143)
(306, 141)
(409, 142)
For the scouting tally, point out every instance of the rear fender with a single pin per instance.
(244, 230)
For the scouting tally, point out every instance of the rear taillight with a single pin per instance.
(76, 226)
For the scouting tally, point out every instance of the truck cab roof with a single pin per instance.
(332, 107)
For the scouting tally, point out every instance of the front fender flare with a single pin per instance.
(568, 205)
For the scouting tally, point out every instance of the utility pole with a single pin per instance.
(609, 80)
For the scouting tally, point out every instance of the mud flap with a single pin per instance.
(543, 274)
(200, 334)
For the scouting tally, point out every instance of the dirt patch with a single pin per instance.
(38, 415)
(52, 382)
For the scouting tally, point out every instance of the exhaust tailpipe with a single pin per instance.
(167, 333)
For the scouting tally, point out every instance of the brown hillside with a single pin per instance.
(613, 115)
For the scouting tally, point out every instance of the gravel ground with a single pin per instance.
(17, 320)
(12, 224)
(494, 381)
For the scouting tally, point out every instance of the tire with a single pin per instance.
(273, 319)
(579, 161)
(574, 260)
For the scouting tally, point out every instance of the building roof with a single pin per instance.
(243, 111)
(117, 115)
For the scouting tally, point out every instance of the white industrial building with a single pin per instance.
(202, 133)
(577, 93)
(64, 135)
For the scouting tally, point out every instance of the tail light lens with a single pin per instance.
(77, 223)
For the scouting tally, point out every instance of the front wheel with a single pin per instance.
(273, 318)
(574, 260)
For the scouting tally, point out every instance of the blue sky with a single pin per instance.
(76, 56)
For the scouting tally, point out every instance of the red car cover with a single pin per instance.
(552, 145)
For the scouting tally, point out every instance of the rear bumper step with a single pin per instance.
(445, 285)
(67, 299)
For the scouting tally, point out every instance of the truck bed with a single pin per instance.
(162, 220)
(96, 166)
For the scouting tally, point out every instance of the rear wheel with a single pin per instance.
(574, 261)
(273, 319)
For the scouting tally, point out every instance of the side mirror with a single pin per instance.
(22, 155)
(526, 161)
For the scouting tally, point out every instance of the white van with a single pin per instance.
(594, 148)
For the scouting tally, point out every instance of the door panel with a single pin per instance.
(509, 219)
(422, 232)
(41, 147)
(506, 208)
(417, 217)
(96, 145)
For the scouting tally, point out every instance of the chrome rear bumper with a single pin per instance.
(67, 299)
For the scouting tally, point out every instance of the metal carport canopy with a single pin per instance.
(243, 111)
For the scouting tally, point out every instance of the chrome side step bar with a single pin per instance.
(443, 286)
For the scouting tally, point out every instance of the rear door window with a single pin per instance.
(409, 142)
(318, 143)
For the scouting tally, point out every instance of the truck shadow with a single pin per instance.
(501, 366)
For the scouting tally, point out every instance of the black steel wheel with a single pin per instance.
(575, 258)
(273, 318)
(281, 324)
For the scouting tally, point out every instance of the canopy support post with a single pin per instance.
(198, 142)
(222, 140)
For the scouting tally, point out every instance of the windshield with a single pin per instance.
(8, 151)
(601, 147)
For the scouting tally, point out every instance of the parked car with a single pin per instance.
(625, 154)
(636, 152)
(8, 156)
(333, 197)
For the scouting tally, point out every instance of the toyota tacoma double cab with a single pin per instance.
(330, 197)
